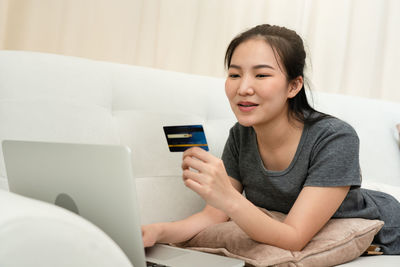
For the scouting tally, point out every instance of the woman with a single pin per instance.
(285, 155)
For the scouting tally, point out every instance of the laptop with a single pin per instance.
(96, 182)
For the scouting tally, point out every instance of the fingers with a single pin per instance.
(193, 158)
(198, 153)
(147, 243)
(193, 185)
(147, 240)
(149, 235)
(194, 176)
(193, 163)
(196, 158)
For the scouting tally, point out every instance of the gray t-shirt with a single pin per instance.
(327, 155)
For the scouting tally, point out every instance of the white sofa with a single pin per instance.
(48, 97)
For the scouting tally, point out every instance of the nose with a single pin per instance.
(246, 86)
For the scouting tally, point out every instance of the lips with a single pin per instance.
(246, 106)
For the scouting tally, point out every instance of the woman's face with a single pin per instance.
(256, 86)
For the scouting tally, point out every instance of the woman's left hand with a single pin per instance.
(206, 175)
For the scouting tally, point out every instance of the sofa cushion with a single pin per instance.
(166, 199)
(339, 241)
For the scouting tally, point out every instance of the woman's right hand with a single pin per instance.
(150, 234)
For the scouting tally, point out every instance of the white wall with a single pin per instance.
(353, 44)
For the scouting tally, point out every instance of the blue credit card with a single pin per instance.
(180, 138)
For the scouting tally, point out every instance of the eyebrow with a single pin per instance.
(261, 66)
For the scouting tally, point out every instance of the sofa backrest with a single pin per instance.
(49, 97)
(145, 100)
(59, 98)
(46, 97)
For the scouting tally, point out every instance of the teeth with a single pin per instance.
(247, 105)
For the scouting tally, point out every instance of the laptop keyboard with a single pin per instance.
(152, 264)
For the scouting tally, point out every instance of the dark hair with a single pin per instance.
(288, 45)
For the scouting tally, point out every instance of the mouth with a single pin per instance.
(246, 106)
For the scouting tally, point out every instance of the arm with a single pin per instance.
(179, 231)
(311, 211)
(313, 208)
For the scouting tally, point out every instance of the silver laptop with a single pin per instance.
(96, 182)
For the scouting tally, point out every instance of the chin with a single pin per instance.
(245, 122)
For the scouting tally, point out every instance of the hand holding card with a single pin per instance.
(206, 175)
(180, 138)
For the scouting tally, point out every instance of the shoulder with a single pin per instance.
(332, 135)
(333, 148)
(332, 126)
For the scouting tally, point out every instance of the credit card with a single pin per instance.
(182, 137)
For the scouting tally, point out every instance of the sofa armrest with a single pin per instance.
(3, 183)
(35, 233)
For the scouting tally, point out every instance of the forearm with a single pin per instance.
(262, 228)
(312, 210)
(179, 231)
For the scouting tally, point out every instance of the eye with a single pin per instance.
(262, 75)
(233, 76)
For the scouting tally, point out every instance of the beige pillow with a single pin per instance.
(339, 241)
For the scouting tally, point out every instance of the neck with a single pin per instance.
(278, 133)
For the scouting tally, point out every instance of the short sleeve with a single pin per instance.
(335, 158)
(230, 156)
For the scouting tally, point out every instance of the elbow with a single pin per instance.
(292, 246)
(290, 240)
(295, 240)
(295, 244)
(298, 246)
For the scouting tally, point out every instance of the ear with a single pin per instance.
(295, 86)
